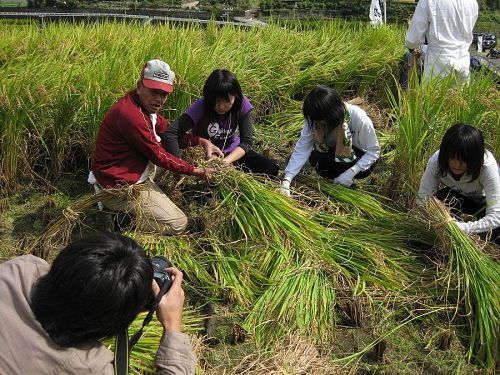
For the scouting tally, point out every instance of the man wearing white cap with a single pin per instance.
(129, 151)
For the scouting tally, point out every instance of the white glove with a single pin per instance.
(285, 188)
(463, 226)
(345, 178)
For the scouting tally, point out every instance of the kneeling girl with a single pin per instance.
(217, 116)
(465, 176)
(338, 139)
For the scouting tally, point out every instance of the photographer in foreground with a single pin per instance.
(53, 319)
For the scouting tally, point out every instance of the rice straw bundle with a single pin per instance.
(235, 275)
(215, 270)
(354, 201)
(258, 212)
(261, 214)
(59, 231)
(302, 300)
(476, 278)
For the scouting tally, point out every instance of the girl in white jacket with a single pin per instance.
(338, 139)
(466, 177)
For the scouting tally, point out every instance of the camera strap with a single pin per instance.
(121, 353)
(123, 346)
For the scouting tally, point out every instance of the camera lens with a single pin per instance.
(162, 278)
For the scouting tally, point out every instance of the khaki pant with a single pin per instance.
(153, 210)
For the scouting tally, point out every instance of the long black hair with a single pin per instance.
(94, 289)
(219, 85)
(324, 104)
(466, 143)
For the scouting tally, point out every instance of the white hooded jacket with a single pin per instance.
(448, 26)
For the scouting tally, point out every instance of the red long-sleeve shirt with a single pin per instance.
(126, 142)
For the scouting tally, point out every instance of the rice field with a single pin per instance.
(292, 276)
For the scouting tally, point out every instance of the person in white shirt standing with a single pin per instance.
(338, 139)
(465, 177)
(447, 25)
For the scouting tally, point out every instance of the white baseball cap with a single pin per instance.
(157, 74)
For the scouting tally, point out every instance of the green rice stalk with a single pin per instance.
(302, 300)
(186, 254)
(260, 212)
(355, 201)
(233, 273)
(356, 254)
(142, 356)
(476, 277)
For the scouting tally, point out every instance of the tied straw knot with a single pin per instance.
(130, 192)
(443, 223)
(70, 214)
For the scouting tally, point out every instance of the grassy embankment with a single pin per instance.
(314, 266)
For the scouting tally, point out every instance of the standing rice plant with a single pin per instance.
(15, 121)
(476, 278)
(423, 114)
(482, 100)
(417, 115)
(100, 62)
(288, 118)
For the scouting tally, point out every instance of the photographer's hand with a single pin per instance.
(169, 311)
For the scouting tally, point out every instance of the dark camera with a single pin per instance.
(163, 279)
(160, 264)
